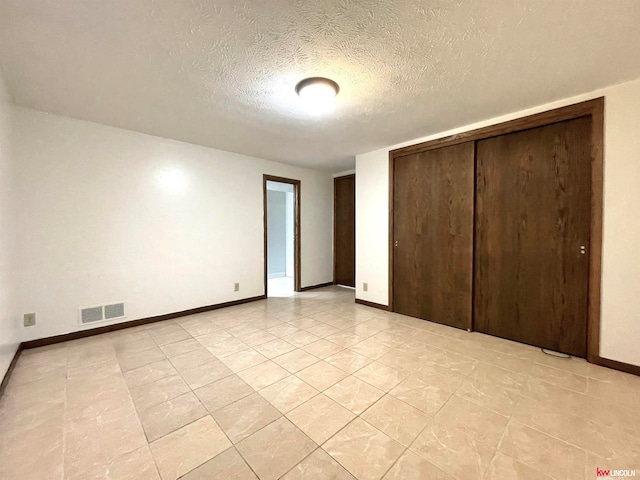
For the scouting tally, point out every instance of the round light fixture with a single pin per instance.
(317, 91)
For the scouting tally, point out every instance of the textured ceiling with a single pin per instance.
(222, 73)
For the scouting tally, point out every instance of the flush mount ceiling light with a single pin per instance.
(317, 91)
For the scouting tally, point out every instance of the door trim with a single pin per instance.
(335, 179)
(296, 227)
(591, 108)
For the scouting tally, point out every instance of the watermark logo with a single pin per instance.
(614, 474)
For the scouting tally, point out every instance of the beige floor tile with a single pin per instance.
(149, 373)
(354, 394)
(181, 347)
(501, 376)
(610, 443)
(390, 337)
(296, 360)
(543, 452)
(263, 375)
(622, 392)
(412, 467)
(429, 338)
(186, 361)
(301, 338)
(474, 349)
(243, 360)
(322, 348)
(371, 349)
(555, 397)
(397, 419)
(605, 374)
(256, 338)
(223, 392)
(229, 465)
(318, 465)
(303, 322)
(321, 375)
(163, 328)
(561, 378)
(402, 359)
(348, 360)
(136, 465)
(95, 441)
(364, 451)
(189, 447)
(283, 330)
(30, 397)
(131, 360)
(345, 339)
(90, 353)
(17, 460)
(55, 354)
(575, 365)
(73, 405)
(206, 373)
(490, 395)
(227, 347)
(574, 429)
(381, 376)
(271, 463)
(481, 423)
(423, 396)
(610, 414)
(146, 396)
(171, 415)
(243, 328)
(133, 343)
(320, 418)
(200, 327)
(171, 337)
(504, 467)
(441, 356)
(288, 393)
(213, 338)
(246, 416)
(616, 462)
(322, 330)
(435, 374)
(453, 449)
(275, 348)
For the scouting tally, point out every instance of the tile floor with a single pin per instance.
(312, 387)
(280, 287)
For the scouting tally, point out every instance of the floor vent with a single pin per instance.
(101, 312)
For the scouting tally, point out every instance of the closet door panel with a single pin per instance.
(433, 235)
(532, 218)
(344, 215)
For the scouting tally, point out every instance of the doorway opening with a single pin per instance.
(281, 236)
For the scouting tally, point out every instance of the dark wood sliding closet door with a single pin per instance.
(433, 234)
(532, 236)
(344, 205)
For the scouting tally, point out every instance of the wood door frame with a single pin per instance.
(335, 179)
(590, 108)
(296, 228)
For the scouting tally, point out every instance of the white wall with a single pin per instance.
(276, 234)
(112, 215)
(290, 234)
(620, 321)
(9, 316)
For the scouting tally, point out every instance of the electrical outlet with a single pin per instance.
(365, 287)
(29, 319)
(236, 287)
